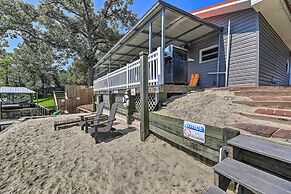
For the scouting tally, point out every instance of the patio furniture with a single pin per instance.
(87, 120)
(104, 128)
(66, 123)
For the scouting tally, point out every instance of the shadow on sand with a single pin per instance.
(115, 134)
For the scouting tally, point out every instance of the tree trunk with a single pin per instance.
(90, 73)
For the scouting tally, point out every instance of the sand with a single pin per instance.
(211, 107)
(36, 159)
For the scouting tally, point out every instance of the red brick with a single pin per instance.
(266, 131)
(286, 98)
(243, 126)
(286, 134)
(260, 130)
(287, 114)
(266, 98)
(269, 112)
(260, 111)
(279, 112)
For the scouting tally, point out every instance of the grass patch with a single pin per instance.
(47, 102)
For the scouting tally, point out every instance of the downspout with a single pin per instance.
(218, 60)
(227, 55)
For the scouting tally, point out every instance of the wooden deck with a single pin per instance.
(175, 89)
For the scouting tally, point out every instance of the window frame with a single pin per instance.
(205, 49)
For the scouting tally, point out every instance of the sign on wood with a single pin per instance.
(194, 131)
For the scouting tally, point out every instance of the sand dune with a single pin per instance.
(36, 159)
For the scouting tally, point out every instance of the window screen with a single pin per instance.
(208, 54)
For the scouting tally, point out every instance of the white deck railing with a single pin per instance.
(129, 76)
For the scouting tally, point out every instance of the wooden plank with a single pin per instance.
(210, 142)
(192, 146)
(144, 113)
(214, 190)
(177, 124)
(262, 147)
(279, 168)
(251, 178)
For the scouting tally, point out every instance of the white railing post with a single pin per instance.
(127, 76)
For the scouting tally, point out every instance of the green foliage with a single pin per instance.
(47, 102)
(59, 29)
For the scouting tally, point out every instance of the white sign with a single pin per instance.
(194, 131)
(132, 91)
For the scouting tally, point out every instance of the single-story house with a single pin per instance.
(235, 43)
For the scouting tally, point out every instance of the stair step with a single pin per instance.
(252, 178)
(265, 117)
(262, 147)
(261, 130)
(275, 112)
(265, 129)
(214, 190)
(263, 93)
(271, 98)
(270, 104)
(260, 88)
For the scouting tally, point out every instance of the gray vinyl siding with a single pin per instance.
(243, 52)
(273, 56)
(203, 68)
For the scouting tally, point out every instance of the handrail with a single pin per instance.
(128, 76)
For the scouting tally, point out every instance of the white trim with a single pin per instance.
(205, 49)
(219, 7)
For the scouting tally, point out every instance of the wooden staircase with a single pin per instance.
(255, 166)
(59, 96)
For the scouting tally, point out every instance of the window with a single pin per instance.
(208, 54)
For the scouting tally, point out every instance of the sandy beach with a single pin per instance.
(36, 159)
(201, 106)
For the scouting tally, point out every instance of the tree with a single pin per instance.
(39, 63)
(6, 61)
(74, 27)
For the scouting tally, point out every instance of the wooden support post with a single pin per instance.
(111, 98)
(94, 102)
(0, 111)
(144, 114)
(221, 181)
(130, 108)
(161, 97)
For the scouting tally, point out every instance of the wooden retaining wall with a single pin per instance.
(171, 129)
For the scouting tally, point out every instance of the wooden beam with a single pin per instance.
(144, 114)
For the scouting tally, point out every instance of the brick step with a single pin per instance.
(251, 88)
(272, 118)
(270, 104)
(255, 88)
(274, 112)
(271, 98)
(250, 93)
(264, 130)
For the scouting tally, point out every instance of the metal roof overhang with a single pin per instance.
(15, 90)
(180, 29)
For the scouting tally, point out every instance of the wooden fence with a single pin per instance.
(171, 129)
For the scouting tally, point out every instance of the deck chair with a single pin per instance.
(104, 127)
(90, 119)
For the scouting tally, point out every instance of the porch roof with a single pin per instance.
(181, 28)
(15, 90)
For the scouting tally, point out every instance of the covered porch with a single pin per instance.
(162, 26)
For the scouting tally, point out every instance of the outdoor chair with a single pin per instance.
(103, 128)
(87, 120)
(66, 123)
